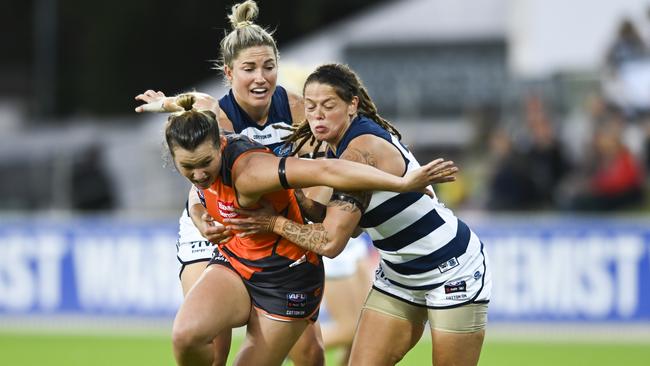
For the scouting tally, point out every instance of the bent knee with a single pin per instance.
(310, 354)
(187, 336)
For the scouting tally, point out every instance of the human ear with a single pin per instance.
(227, 72)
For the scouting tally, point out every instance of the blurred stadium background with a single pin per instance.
(544, 104)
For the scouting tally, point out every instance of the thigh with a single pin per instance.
(221, 342)
(388, 329)
(268, 341)
(218, 301)
(191, 273)
(344, 299)
(457, 334)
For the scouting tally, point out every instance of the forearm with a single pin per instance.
(195, 208)
(350, 176)
(313, 237)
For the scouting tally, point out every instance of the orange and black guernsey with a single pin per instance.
(284, 279)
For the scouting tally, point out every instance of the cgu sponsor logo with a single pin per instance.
(570, 277)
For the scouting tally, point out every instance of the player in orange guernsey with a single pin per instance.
(264, 282)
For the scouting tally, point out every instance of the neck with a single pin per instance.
(334, 142)
(258, 114)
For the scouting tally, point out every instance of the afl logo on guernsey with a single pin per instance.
(226, 209)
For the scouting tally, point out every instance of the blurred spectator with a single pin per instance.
(510, 186)
(92, 189)
(614, 178)
(627, 46)
(546, 164)
(628, 70)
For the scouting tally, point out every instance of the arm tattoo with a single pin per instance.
(311, 237)
(359, 156)
(364, 157)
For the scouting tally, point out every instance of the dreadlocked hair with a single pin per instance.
(347, 85)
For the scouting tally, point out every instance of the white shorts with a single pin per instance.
(191, 246)
(469, 282)
(345, 264)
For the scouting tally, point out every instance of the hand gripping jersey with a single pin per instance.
(260, 252)
(421, 243)
(267, 135)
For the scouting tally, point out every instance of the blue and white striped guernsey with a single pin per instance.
(279, 114)
(418, 238)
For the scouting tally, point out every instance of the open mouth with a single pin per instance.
(260, 92)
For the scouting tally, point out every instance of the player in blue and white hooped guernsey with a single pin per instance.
(433, 267)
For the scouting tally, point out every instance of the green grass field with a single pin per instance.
(24, 349)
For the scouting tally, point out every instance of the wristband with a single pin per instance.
(282, 173)
(157, 106)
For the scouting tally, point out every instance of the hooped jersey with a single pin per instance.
(418, 239)
(267, 135)
(257, 252)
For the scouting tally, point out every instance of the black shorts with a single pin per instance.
(287, 293)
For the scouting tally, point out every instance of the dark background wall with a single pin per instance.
(80, 57)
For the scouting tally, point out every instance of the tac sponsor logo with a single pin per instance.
(226, 209)
(455, 286)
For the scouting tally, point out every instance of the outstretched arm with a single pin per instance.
(156, 101)
(258, 173)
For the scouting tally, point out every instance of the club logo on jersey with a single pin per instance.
(455, 286)
(282, 150)
(446, 266)
(296, 303)
(477, 275)
(218, 257)
(227, 209)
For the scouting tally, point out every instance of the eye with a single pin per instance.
(310, 107)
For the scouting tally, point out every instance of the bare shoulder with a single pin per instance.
(364, 149)
(377, 152)
(224, 122)
(297, 106)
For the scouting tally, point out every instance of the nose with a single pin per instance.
(259, 76)
(318, 114)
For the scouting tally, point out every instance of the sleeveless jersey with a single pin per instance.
(259, 252)
(418, 239)
(267, 135)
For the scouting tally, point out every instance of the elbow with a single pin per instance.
(333, 248)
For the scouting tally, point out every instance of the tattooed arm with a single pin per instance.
(328, 238)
